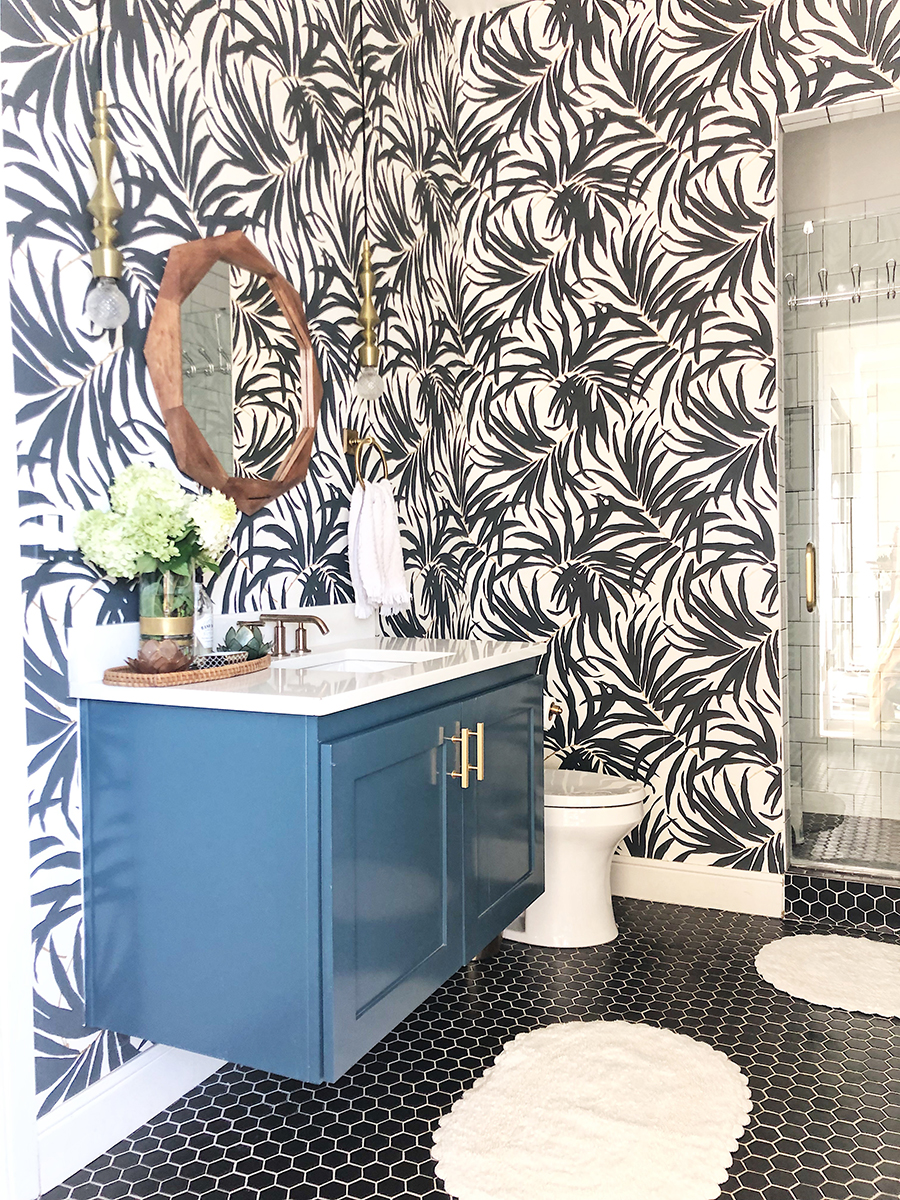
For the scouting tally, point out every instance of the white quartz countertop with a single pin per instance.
(335, 677)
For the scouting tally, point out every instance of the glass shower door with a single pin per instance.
(842, 425)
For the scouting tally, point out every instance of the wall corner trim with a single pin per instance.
(86, 1126)
(756, 892)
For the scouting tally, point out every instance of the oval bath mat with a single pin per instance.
(858, 974)
(595, 1110)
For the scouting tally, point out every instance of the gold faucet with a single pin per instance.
(300, 622)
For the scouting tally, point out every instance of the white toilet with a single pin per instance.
(585, 818)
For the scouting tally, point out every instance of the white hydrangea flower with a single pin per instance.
(154, 520)
(155, 487)
(103, 540)
(214, 515)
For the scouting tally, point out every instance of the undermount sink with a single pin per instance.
(358, 661)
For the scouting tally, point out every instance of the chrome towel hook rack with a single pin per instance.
(354, 444)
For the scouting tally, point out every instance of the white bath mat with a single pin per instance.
(595, 1110)
(842, 972)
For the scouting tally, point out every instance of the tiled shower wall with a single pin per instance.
(859, 774)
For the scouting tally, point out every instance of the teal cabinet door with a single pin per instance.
(503, 828)
(287, 907)
(392, 888)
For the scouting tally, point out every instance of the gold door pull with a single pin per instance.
(463, 773)
(464, 766)
(810, 577)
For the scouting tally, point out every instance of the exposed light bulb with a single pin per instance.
(106, 305)
(369, 384)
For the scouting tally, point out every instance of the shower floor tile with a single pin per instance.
(849, 841)
(825, 1083)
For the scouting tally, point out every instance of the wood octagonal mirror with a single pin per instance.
(230, 357)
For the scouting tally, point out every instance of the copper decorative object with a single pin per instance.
(157, 658)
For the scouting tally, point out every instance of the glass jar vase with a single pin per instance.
(166, 606)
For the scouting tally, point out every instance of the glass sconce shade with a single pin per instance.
(369, 384)
(106, 304)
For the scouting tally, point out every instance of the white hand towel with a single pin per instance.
(395, 597)
(357, 502)
(368, 559)
(376, 554)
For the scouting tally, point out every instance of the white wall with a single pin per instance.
(18, 1133)
(841, 162)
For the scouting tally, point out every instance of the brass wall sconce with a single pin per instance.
(369, 384)
(106, 305)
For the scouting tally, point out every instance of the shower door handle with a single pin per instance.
(810, 577)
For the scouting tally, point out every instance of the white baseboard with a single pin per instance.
(90, 1123)
(756, 892)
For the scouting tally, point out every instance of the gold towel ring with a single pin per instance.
(360, 446)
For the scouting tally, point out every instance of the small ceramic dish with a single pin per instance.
(219, 658)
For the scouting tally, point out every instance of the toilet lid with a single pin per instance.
(585, 789)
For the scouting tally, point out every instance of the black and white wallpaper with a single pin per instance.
(572, 211)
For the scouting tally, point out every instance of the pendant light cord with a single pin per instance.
(100, 40)
(363, 125)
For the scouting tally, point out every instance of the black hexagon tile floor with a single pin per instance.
(825, 1083)
(865, 902)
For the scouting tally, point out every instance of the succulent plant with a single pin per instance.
(157, 658)
(243, 638)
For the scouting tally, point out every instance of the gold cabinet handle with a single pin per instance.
(464, 767)
(463, 773)
(810, 577)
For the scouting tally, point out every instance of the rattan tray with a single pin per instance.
(127, 677)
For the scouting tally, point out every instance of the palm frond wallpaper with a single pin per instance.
(572, 204)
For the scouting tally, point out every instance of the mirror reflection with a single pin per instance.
(242, 371)
(206, 341)
(269, 414)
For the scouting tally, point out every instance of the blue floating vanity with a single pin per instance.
(279, 868)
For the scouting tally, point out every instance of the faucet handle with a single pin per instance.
(300, 621)
(278, 637)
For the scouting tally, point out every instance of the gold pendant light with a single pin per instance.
(369, 384)
(106, 305)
